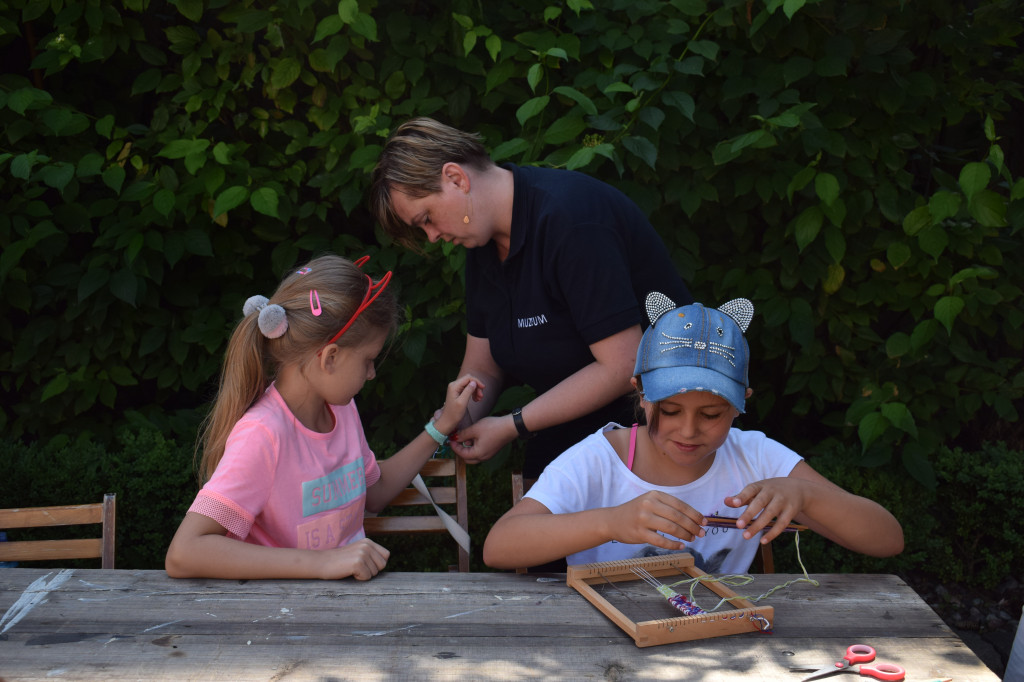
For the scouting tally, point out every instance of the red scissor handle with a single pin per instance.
(859, 653)
(883, 671)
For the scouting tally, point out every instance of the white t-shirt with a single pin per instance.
(590, 475)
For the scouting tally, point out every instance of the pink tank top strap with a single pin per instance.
(632, 447)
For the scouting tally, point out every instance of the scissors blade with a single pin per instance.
(826, 671)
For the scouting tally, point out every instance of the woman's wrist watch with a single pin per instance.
(517, 419)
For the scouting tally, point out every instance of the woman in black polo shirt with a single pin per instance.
(557, 267)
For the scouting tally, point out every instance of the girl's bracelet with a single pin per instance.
(434, 433)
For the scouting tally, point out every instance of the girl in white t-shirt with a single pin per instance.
(286, 469)
(623, 493)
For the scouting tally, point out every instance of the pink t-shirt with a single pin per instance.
(280, 484)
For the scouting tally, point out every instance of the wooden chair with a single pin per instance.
(429, 522)
(763, 562)
(103, 513)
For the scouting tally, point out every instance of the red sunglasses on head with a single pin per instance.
(372, 292)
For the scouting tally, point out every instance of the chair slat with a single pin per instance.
(50, 550)
(35, 517)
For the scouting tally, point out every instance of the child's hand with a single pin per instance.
(778, 499)
(456, 402)
(643, 519)
(361, 560)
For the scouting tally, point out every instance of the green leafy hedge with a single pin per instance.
(844, 164)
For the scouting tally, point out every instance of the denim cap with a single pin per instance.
(694, 348)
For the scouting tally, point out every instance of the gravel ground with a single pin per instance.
(986, 620)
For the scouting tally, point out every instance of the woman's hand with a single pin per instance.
(361, 560)
(483, 439)
(456, 402)
(648, 518)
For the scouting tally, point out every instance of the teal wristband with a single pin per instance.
(435, 434)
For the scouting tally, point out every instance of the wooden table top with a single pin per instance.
(141, 625)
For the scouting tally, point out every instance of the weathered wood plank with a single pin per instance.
(130, 625)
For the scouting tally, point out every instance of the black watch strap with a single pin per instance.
(517, 419)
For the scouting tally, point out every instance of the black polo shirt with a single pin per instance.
(582, 259)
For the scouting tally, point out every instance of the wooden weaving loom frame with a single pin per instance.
(743, 617)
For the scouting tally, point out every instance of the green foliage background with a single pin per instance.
(853, 167)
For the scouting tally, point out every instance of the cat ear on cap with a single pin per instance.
(657, 304)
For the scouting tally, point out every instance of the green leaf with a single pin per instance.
(681, 101)
(973, 178)
(917, 220)
(493, 45)
(946, 310)
(643, 148)
(285, 72)
(898, 254)
(264, 200)
(791, 7)
(534, 76)
(943, 205)
(565, 129)
(147, 81)
(328, 26)
(580, 158)
(89, 165)
(179, 149)
(56, 386)
(92, 281)
(871, 428)
(807, 226)
(163, 202)
(348, 10)
(575, 95)
(113, 178)
(190, 9)
(988, 208)
(799, 181)
(531, 108)
(916, 463)
(366, 26)
(923, 333)
(897, 345)
(57, 175)
(900, 417)
(827, 187)
(835, 275)
(509, 148)
(705, 48)
(933, 241)
(125, 285)
(230, 198)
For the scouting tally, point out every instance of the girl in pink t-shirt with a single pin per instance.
(286, 469)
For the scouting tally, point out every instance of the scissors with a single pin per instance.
(857, 653)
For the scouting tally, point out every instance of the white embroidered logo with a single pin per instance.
(535, 321)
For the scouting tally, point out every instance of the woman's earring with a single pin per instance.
(469, 209)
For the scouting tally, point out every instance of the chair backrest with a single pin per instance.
(429, 521)
(103, 513)
(764, 562)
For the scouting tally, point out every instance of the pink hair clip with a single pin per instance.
(304, 271)
(315, 306)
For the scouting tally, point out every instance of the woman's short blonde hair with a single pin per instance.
(411, 163)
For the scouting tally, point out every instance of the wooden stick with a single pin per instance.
(730, 522)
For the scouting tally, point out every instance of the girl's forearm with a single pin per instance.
(524, 540)
(398, 470)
